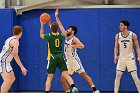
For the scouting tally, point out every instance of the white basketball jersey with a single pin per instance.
(126, 50)
(70, 52)
(6, 53)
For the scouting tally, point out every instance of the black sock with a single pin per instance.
(47, 91)
(93, 88)
(72, 85)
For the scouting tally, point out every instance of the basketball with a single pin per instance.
(45, 17)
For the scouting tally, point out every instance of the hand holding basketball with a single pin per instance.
(45, 18)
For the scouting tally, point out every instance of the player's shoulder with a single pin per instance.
(117, 35)
(134, 35)
(75, 39)
(60, 33)
(14, 42)
(13, 38)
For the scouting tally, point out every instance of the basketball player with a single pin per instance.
(73, 61)
(124, 42)
(55, 56)
(10, 51)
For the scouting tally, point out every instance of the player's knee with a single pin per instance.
(64, 73)
(4, 91)
(13, 79)
(118, 75)
(50, 77)
(135, 77)
(10, 80)
(84, 74)
(63, 80)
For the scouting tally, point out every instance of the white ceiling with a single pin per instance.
(52, 4)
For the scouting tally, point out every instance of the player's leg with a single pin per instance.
(70, 81)
(121, 67)
(87, 78)
(132, 68)
(63, 67)
(63, 79)
(78, 67)
(51, 68)
(117, 81)
(8, 78)
(48, 82)
(136, 79)
(65, 84)
(89, 81)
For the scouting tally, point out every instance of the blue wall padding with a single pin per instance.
(96, 29)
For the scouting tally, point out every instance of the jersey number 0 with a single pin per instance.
(57, 43)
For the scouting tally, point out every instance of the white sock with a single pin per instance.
(67, 91)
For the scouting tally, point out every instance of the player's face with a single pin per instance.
(69, 32)
(122, 27)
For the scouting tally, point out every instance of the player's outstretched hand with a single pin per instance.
(57, 12)
(24, 71)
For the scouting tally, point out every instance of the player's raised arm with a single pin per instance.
(59, 23)
(42, 29)
(44, 18)
(15, 44)
(116, 48)
(135, 39)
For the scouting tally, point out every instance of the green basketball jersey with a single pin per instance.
(54, 43)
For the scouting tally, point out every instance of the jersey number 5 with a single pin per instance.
(125, 45)
(57, 42)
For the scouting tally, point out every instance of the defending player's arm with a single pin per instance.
(135, 39)
(116, 48)
(77, 43)
(15, 43)
(59, 23)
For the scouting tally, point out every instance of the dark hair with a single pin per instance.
(74, 28)
(17, 30)
(125, 22)
(54, 27)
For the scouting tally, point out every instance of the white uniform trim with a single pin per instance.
(72, 59)
(126, 53)
(6, 56)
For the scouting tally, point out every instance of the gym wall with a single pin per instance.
(96, 29)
